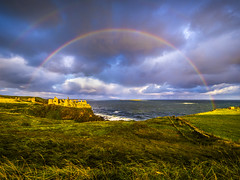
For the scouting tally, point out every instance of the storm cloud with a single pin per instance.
(149, 49)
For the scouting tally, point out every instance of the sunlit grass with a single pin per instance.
(224, 123)
(162, 148)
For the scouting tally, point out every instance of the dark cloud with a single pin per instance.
(207, 32)
(218, 58)
(216, 17)
(74, 19)
(14, 71)
(102, 52)
(27, 10)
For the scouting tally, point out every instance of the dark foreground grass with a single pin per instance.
(162, 148)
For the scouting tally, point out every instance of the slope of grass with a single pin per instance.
(162, 148)
(224, 123)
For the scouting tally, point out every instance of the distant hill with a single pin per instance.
(25, 98)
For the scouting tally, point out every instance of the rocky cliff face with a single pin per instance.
(63, 113)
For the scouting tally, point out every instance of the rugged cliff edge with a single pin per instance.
(63, 113)
(38, 107)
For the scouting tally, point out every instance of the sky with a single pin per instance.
(119, 49)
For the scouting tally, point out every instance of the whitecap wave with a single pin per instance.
(113, 117)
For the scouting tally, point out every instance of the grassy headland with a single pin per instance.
(44, 147)
(224, 123)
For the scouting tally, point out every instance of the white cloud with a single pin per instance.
(187, 32)
(16, 73)
(90, 85)
(157, 89)
(68, 61)
(224, 89)
(14, 63)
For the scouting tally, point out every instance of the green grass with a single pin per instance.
(34, 147)
(224, 123)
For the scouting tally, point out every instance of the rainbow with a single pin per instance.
(151, 36)
(104, 31)
(33, 26)
(39, 22)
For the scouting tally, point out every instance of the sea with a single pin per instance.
(146, 109)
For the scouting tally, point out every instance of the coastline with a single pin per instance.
(219, 111)
(143, 110)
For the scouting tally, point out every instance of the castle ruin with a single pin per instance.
(69, 103)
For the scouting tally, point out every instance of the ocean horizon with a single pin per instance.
(146, 109)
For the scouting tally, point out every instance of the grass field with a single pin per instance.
(224, 123)
(34, 147)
